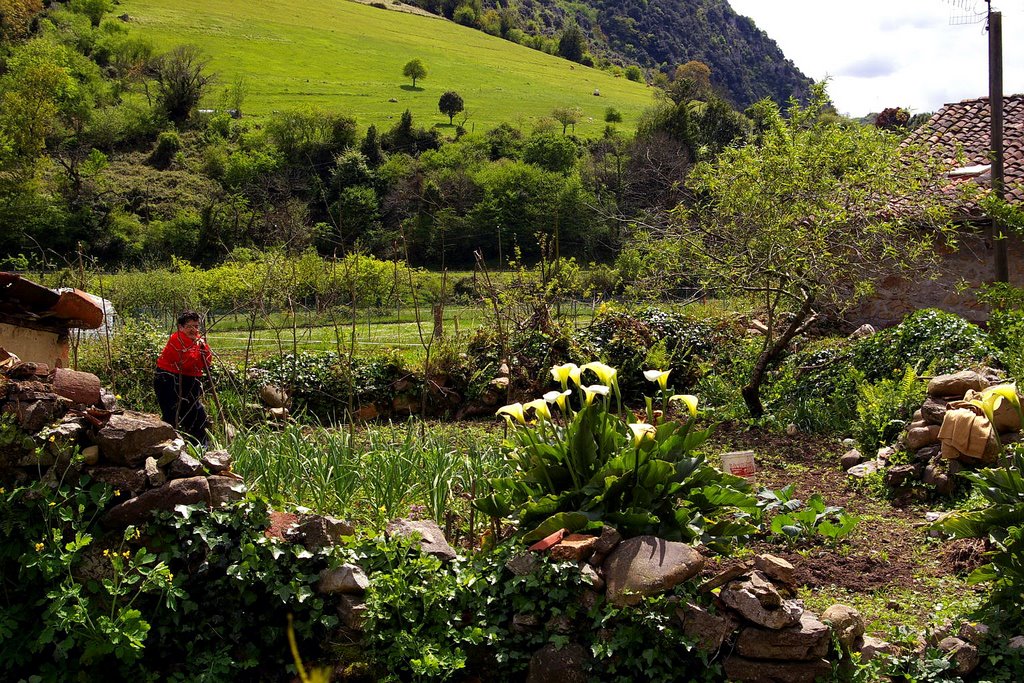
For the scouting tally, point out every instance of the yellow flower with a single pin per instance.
(658, 376)
(39, 547)
(563, 373)
(689, 400)
(106, 553)
(52, 504)
(558, 397)
(127, 554)
(605, 373)
(594, 390)
(540, 408)
(2, 490)
(641, 432)
(514, 410)
(117, 492)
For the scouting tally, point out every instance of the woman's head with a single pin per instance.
(188, 323)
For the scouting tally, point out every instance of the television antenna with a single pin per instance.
(994, 26)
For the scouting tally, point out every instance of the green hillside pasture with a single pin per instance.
(348, 57)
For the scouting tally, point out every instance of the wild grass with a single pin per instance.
(348, 57)
(374, 475)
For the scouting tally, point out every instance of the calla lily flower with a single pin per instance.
(689, 400)
(558, 397)
(658, 376)
(540, 408)
(605, 373)
(641, 431)
(563, 373)
(1005, 392)
(515, 411)
(594, 390)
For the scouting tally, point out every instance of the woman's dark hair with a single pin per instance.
(187, 316)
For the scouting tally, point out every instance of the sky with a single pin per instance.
(893, 53)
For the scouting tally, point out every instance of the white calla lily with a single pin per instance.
(513, 411)
(558, 397)
(688, 399)
(605, 373)
(540, 408)
(641, 431)
(594, 390)
(659, 376)
(564, 373)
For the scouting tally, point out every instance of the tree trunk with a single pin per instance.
(752, 391)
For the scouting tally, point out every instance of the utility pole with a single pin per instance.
(995, 101)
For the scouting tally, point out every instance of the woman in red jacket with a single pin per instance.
(179, 374)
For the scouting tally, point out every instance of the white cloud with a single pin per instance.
(886, 53)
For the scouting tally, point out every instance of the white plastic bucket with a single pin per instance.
(739, 463)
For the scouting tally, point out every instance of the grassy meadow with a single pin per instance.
(345, 56)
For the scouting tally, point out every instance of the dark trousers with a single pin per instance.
(180, 398)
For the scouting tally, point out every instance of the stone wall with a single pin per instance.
(972, 263)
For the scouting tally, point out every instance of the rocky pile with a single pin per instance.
(948, 433)
(749, 613)
(66, 423)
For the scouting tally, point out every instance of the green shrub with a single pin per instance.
(928, 338)
(815, 388)
(168, 144)
(884, 409)
(129, 368)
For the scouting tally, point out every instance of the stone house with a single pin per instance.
(958, 135)
(35, 321)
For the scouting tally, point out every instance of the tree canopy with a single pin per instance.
(414, 69)
(450, 104)
(808, 217)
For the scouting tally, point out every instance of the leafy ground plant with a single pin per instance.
(793, 520)
(590, 465)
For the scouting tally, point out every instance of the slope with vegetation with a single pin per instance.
(349, 57)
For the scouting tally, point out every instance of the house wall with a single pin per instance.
(34, 346)
(956, 278)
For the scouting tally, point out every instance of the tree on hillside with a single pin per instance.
(415, 70)
(93, 9)
(450, 104)
(808, 218)
(181, 79)
(567, 116)
(572, 44)
(16, 17)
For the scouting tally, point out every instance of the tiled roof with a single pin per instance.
(958, 133)
(24, 300)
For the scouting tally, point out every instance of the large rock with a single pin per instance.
(757, 601)
(776, 568)
(553, 665)
(348, 579)
(606, 542)
(128, 480)
(963, 655)
(574, 548)
(225, 490)
(746, 670)
(216, 461)
(933, 410)
(432, 540)
(708, 630)
(870, 648)
(319, 531)
(956, 385)
(850, 458)
(806, 640)
(352, 611)
(183, 466)
(80, 387)
(127, 437)
(647, 565)
(846, 622)
(177, 492)
(921, 435)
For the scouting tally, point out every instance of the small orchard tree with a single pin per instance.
(810, 216)
(415, 70)
(450, 104)
(567, 116)
(181, 80)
